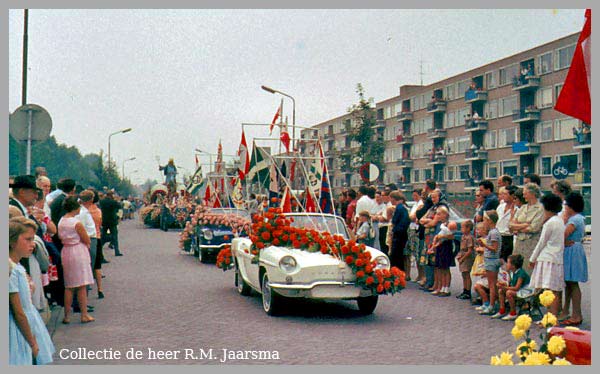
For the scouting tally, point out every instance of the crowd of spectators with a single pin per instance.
(56, 239)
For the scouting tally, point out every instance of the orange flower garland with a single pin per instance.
(277, 230)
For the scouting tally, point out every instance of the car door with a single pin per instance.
(247, 268)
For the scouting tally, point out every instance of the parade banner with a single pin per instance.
(259, 166)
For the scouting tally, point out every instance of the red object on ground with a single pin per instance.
(579, 345)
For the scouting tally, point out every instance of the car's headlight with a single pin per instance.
(288, 264)
(208, 234)
(382, 262)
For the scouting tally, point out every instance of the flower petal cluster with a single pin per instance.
(505, 359)
(523, 322)
(549, 320)
(556, 345)
(547, 298)
(537, 358)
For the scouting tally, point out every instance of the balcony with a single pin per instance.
(436, 133)
(473, 96)
(525, 115)
(405, 116)
(436, 106)
(476, 125)
(526, 83)
(405, 163)
(404, 139)
(328, 135)
(476, 155)
(525, 148)
(380, 123)
(582, 140)
(437, 160)
(583, 178)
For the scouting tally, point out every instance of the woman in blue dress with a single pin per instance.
(575, 262)
(29, 341)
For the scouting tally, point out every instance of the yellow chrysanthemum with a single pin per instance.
(537, 358)
(549, 320)
(547, 298)
(556, 345)
(495, 361)
(523, 322)
(561, 362)
(504, 359)
(517, 333)
(572, 328)
(531, 346)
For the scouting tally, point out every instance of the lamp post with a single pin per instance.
(114, 133)
(123, 166)
(133, 172)
(271, 90)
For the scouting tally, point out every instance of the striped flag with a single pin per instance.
(244, 167)
(325, 202)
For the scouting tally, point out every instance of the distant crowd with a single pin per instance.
(56, 238)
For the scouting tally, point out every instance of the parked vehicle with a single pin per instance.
(282, 272)
(579, 344)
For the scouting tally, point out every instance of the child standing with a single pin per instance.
(442, 247)
(29, 341)
(547, 257)
(518, 280)
(491, 257)
(465, 258)
(365, 229)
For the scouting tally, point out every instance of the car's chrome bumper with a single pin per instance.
(213, 248)
(320, 290)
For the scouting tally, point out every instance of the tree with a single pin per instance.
(371, 147)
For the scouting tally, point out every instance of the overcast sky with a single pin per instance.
(183, 79)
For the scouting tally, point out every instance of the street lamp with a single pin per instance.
(271, 90)
(123, 166)
(114, 133)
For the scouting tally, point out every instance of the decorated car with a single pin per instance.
(214, 229)
(308, 255)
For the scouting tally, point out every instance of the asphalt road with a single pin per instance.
(159, 301)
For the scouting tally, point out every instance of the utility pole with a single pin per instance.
(25, 39)
(421, 70)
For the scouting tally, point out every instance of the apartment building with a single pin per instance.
(493, 120)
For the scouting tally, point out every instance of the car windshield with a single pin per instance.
(240, 212)
(332, 224)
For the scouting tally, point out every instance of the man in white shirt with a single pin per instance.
(365, 201)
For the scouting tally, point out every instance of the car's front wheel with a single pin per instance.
(272, 302)
(203, 256)
(366, 305)
(241, 285)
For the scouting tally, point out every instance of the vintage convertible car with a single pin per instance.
(283, 272)
(209, 239)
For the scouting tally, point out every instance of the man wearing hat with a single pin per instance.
(25, 195)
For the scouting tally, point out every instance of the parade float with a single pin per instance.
(163, 210)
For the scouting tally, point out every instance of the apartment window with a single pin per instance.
(464, 172)
(507, 74)
(450, 170)
(450, 119)
(570, 161)
(544, 132)
(450, 92)
(546, 165)
(461, 113)
(450, 146)
(507, 137)
(557, 89)
(388, 112)
(510, 167)
(507, 105)
(490, 80)
(544, 97)
(563, 56)
(563, 128)
(427, 174)
(545, 63)
(491, 139)
(416, 175)
(491, 109)
(462, 88)
(463, 143)
(427, 123)
(492, 170)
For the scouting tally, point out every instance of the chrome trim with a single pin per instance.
(309, 286)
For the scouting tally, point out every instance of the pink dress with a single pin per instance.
(75, 255)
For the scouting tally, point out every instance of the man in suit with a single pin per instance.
(109, 207)
(400, 223)
(56, 207)
(25, 195)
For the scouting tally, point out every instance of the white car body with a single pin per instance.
(315, 276)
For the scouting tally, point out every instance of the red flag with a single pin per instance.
(207, 195)
(310, 203)
(279, 110)
(286, 201)
(244, 167)
(285, 139)
(196, 156)
(575, 99)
